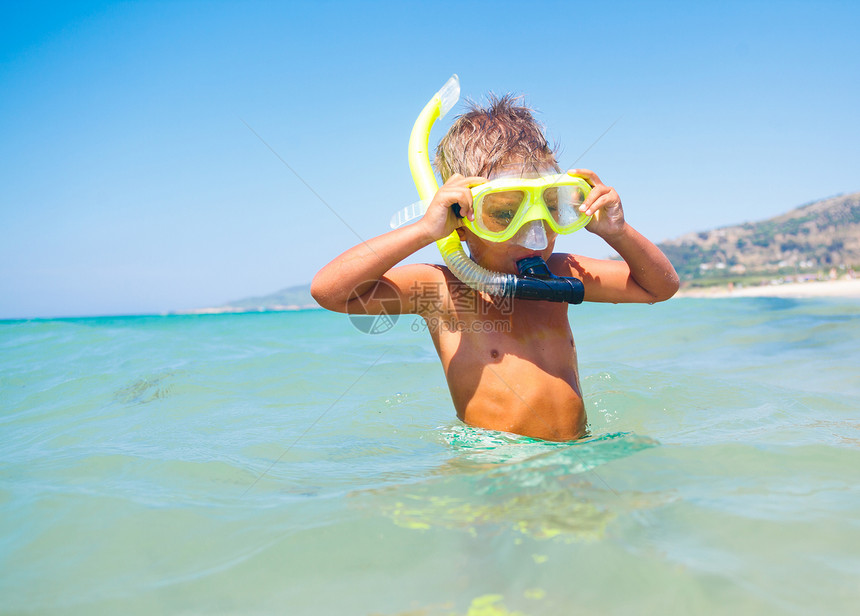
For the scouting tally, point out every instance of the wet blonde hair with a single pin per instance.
(486, 138)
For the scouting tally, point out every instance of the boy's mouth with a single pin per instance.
(527, 254)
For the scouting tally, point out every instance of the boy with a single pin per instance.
(520, 377)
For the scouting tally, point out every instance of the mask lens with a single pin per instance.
(496, 210)
(563, 203)
(550, 198)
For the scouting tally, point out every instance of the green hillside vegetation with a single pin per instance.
(809, 241)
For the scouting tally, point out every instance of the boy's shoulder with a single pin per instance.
(426, 284)
(421, 272)
(420, 278)
(569, 264)
(564, 264)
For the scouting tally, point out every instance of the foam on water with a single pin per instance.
(255, 463)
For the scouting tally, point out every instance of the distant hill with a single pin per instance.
(291, 298)
(813, 238)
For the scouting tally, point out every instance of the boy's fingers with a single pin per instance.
(461, 213)
(459, 201)
(606, 199)
(472, 180)
(596, 193)
(465, 202)
(586, 174)
(458, 214)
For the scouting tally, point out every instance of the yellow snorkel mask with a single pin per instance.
(504, 206)
(525, 203)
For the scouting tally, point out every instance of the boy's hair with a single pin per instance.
(485, 138)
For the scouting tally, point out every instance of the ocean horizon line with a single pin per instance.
(171, 313)
(842, 288)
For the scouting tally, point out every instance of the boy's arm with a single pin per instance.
(362, 280)
(356, 282)
(645, 275)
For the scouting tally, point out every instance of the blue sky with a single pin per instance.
(131, 183)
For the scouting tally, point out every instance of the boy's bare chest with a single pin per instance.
(538, 332)
(516, 373)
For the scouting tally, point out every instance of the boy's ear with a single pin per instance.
(466, 237)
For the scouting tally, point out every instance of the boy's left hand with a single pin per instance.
(603, 204)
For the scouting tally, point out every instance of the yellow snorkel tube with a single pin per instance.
(535, 280)
(451, 248)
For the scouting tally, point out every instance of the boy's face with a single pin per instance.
(503, 256)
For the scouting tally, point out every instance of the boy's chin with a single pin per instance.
(522, 253)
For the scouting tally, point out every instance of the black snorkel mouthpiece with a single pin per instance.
(537, 282)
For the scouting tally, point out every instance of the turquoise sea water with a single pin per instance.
(286, 463)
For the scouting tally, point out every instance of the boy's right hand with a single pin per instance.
(440, 220)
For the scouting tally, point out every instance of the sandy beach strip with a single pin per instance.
(843, 288)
